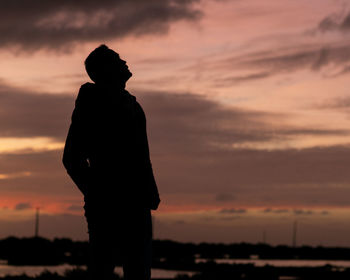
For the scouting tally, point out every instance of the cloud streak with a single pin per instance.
(186, 118)
(175, 120)
(279, 61)
(23, 206)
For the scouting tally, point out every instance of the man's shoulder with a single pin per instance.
(86, 92)
(87, 88)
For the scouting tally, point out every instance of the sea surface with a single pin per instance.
(282, 263)
(163, 273)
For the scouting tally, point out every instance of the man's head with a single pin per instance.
(104, 65)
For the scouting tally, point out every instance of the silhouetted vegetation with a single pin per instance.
(41, 251)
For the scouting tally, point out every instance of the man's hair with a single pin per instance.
(99, 62)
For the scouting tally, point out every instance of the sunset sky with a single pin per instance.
(247, 105)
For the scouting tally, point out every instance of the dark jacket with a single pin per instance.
(106, 152)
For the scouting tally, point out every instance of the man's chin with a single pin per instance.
(128, 75)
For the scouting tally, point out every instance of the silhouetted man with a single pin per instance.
(106, 154)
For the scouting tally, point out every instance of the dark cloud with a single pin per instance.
(290, 131)
(277, 211)
(25, 113)
(335, 22)
(303, 212)
(75, 207)
(322, 59)
(34, 24)
(233, 211)
(224, 197)
(29, 114)
(327, 24)
(23, 206)
(295, 211)
(229, 218)
(187, 118)
(192, 119)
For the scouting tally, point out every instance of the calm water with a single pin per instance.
(162, 273)
(285, 263)
(60, 269)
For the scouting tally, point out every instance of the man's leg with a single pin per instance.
(101, 265)
(137, 251)
(137, 261)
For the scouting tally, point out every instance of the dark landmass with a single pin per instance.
(179, 256)
(166, 254)
(212, 271)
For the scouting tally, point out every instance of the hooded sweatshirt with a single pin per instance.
(106, 152)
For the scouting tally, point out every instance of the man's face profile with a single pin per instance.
(122, 71)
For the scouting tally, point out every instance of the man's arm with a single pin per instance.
(151, 184)
(75, 159)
